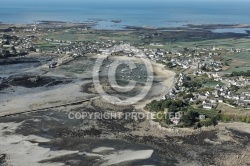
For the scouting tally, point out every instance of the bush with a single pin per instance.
(226, 118)
(208, 122)
(172, 105)
(190, 118)
(188, 96)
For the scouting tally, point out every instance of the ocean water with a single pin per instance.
(234, 30)
(155, 13)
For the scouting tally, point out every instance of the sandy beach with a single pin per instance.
(168, 78)
(26, 99)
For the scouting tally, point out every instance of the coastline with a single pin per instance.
(94, 22)
(166, 141)
(145, 132)
(168, 77)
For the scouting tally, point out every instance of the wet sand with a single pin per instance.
(54, 139)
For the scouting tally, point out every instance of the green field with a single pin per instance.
(96, 36)
(45, 46)
(220, 43)
(212, 83)
(238, 61)
(208, 113)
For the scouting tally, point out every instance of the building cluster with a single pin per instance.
(11, 45)
(209, 99)
(202, 61)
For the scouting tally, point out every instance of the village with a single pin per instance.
(200, 71)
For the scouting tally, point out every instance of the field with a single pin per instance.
(167, 40)
(208, 113)
(76, 35)
(45, 46)
(231, 110)
(238, 62)
(220, 43)
(212, 83)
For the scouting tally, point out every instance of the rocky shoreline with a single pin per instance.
(52, 131)
(210, 144)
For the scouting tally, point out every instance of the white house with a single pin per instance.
(208, 106)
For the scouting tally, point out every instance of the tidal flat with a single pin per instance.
(35, 100)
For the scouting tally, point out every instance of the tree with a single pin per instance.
(188, 78)
(6, 53)
(234, 88)
(172, 108)
(204, 68)
(190, 118)
(186, 121)
(188, 96)
(208, 122)
(197, 125)
(169, 64)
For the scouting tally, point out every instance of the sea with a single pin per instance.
(151, 13)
